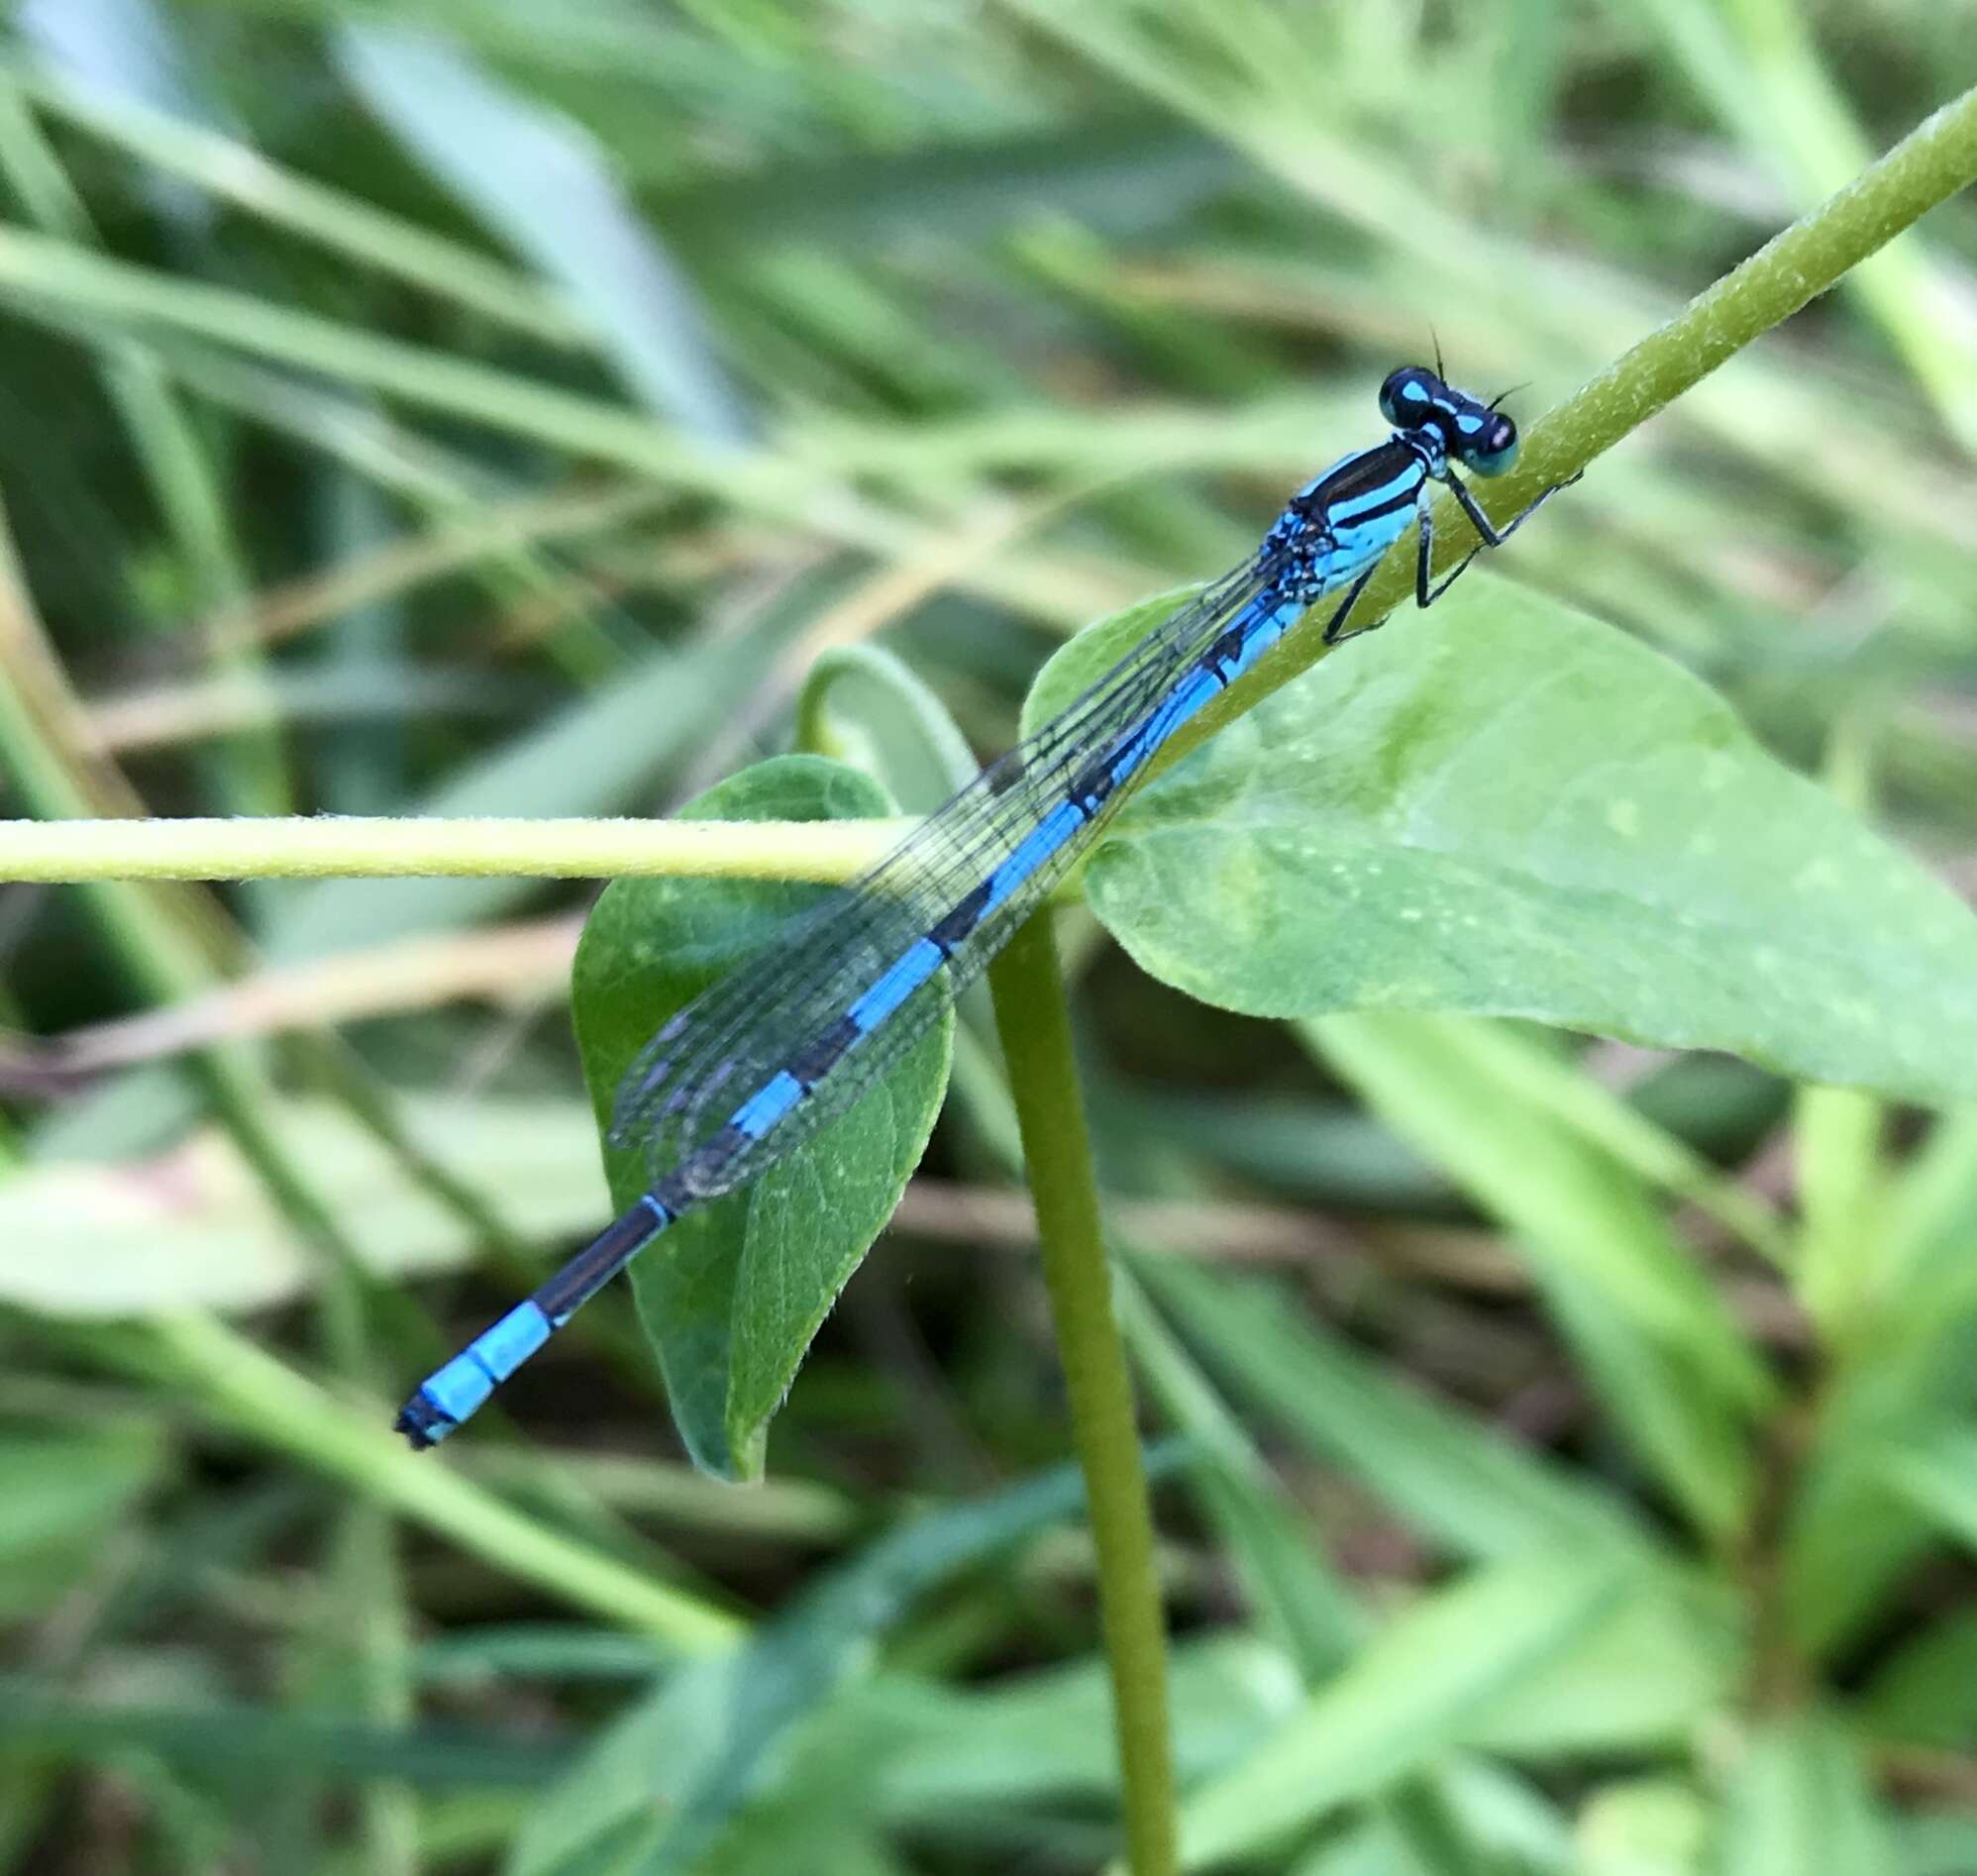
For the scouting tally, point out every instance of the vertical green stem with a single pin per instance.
(1034, 1023)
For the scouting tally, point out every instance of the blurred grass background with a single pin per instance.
(440, 406)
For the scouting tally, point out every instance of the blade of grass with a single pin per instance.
(1468, 1487)
(344, 224)
(252, 774)
(1671, 1363)
(274, 1405)
(540, 182)
(1410, 1694)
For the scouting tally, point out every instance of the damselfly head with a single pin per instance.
(1479, 436)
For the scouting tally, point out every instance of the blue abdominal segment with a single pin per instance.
(458, 1386)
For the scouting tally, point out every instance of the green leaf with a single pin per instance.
(1116, 174)
(1291, 1584)
(1431, 1834)
(1940, 1844)
(1662, 1664)
(348, 227)
(1506, 1821)
(241, 1742)
(1536, 1070)
(923, 1759)
(660, 1787)
(1800, 1804)
(1420, 1688)
(1939, 1477)
(1452, 1478)
(1860, 1516)
(863, 706)
(1081, 662)
(1504, 807)
(732, 1294)
(1927, 1276)
(1512, 1828)
(129, 53)
(1046, 1735)
(795, 1834)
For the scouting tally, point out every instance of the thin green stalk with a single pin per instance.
(1926, 169)
(167, 945)
(161, 952)
(1034, 1023)
(159, 944)
(73, 852)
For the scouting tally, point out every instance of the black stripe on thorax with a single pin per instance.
(1395, 462)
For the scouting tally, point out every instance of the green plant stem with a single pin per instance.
(1034, 1023)
(1838, 1139)
(370, 1670)
(1933, 163)
(73, 852)
(1926, 169)
(165, 944)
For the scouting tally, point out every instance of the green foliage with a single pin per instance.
(674, 1776)
(1405, 1700)
(1507, 808)
(445, 407)
(743, 1285)
(65, 1496)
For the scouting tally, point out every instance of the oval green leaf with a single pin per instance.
(1505, 807)
(732, 1296)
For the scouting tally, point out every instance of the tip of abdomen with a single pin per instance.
(423, 1422)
